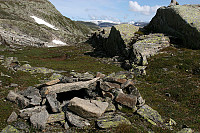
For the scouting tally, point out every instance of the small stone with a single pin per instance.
(28, 112)
(66, 126)
(52, 82)
(76, 120)
(39, 120)
(17, 98)
(56, 117)
(21, 125)
(108, 94)
(35, 100)
(100, 75)
(111, 107)
(186, 130)
(13, 85)
(54, 103)
(10, 129)
(12, 117)
(30, 91)
(127, 100)
(112, 121)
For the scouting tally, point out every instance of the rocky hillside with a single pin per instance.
(182, 22)
(38, 23)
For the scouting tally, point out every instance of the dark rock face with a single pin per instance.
(182, 22)
(115, 44)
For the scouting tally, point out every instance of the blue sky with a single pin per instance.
(115, 10)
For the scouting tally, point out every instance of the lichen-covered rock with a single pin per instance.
(147, 46)
(182, 21)
(186, 130)
(150, 115)
(112, 121)
(10, 129)
(32, 70)
(56, 117)
(87, 108)
(82, 77)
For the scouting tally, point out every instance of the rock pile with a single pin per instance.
(78, 100)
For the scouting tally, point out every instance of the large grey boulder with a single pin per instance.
(181, 21)
(87, 108)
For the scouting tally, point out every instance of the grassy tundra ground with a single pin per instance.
(171, 86)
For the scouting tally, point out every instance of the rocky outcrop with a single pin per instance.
(180, 21)
(128, 46)
(24, 22)
(113, 41)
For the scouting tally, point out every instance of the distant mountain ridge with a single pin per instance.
(110, 23)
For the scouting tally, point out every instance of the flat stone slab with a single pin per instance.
(150, 115)
(65, 87)
(112, 121)
(52, 82)
(76, 120)
(127, 100)
(87, 108)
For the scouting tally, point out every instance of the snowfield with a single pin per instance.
(41, 21)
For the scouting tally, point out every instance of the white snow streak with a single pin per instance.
(59, 42)
(40, 21)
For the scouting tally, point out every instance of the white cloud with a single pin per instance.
(146, 10)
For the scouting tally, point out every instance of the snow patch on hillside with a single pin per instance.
(59, 42)
(41, 21)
